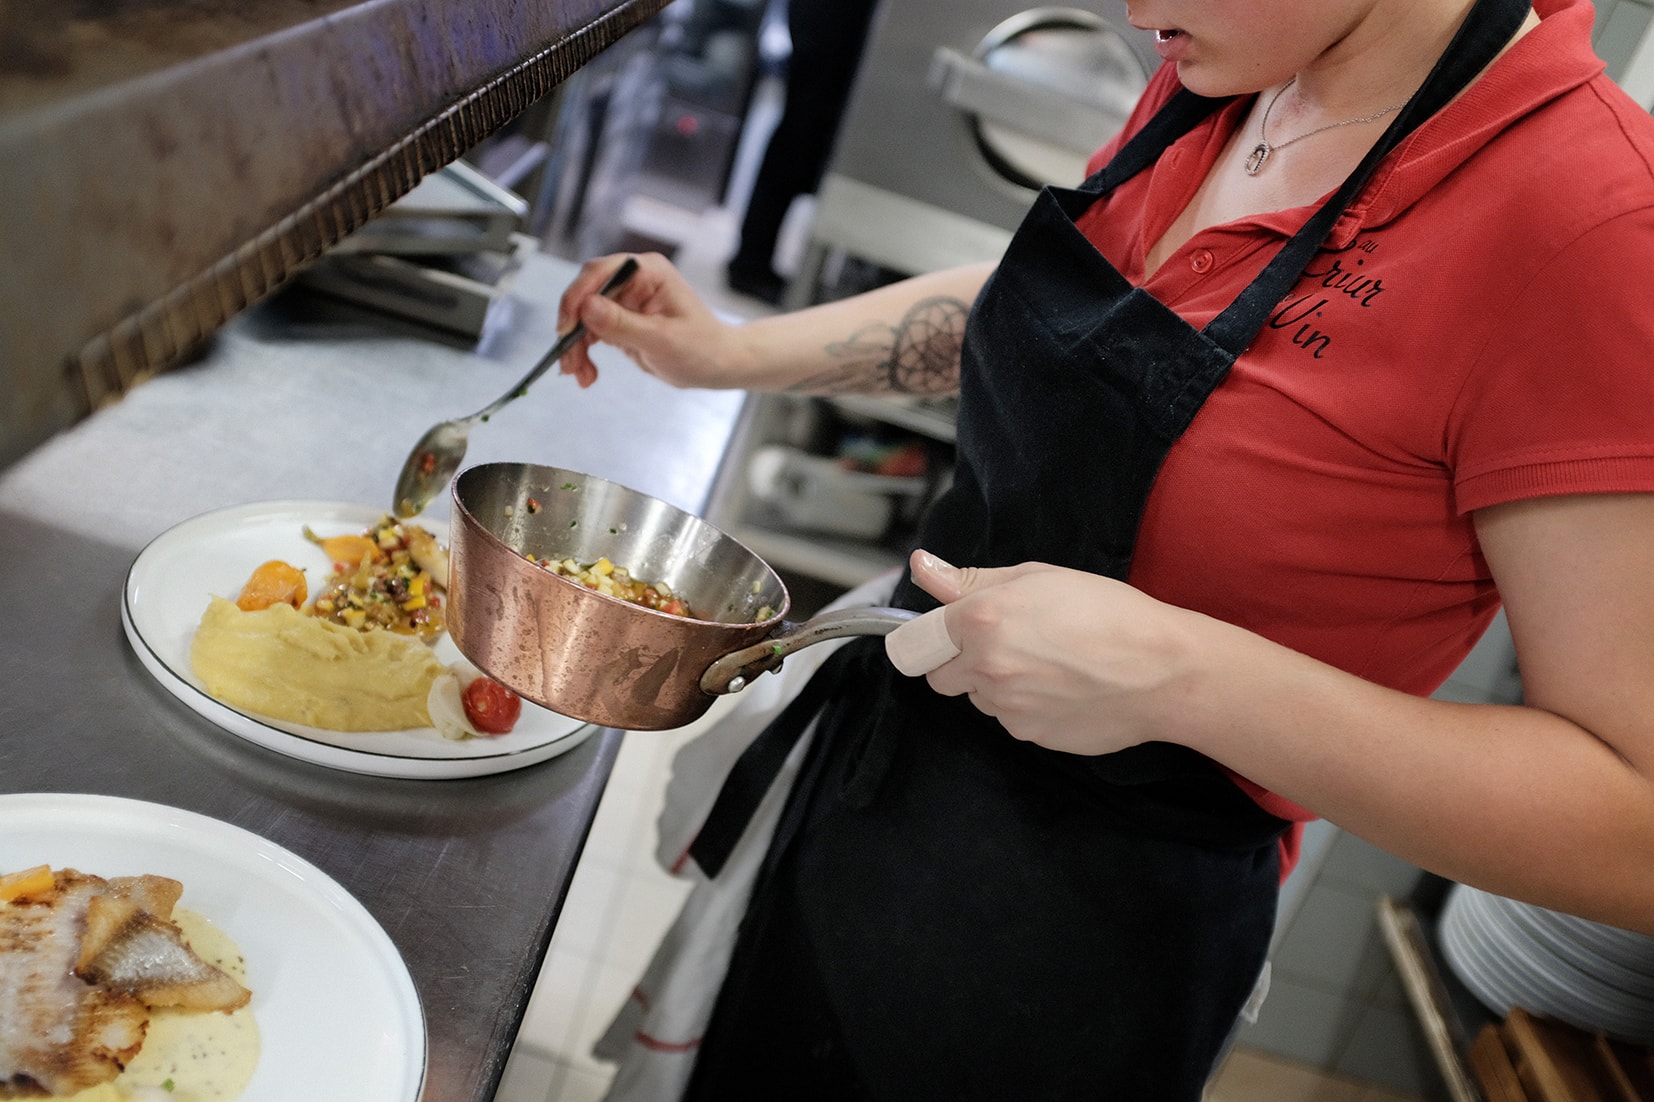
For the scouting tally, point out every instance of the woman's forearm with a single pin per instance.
(1514, 799)
(1551, 801)
(900, 339)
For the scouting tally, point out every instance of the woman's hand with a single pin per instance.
(1073, 661)
(656, 319)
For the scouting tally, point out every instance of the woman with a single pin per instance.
(1257, 429)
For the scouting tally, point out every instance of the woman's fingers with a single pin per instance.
(656, 320)
(577, 361)
(926, 643)
(605, 317)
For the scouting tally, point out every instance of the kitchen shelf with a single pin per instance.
(842, 562)
(798, 421)
(927, 417)
(248, 139)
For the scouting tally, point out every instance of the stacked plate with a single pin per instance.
(1598, 978)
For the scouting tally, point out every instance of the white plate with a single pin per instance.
(1487, 941)
(168, 589)
(337, 1013)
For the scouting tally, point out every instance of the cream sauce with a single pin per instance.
(191, 1056)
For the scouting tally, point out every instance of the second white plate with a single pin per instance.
(338, 1015)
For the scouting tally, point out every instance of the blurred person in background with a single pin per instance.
(827, 40)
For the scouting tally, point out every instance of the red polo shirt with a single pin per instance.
(1479, 329)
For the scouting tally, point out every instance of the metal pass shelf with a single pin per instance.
(788, 489)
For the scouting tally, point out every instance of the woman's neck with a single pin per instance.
(1338, 90)
(1383, 58)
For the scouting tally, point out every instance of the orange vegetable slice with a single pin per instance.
(273, 583)
(19, 885)
(351, 550)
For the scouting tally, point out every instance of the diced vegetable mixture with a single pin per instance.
(616, 581)
(389, 577)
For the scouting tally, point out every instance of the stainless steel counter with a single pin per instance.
(466, 876)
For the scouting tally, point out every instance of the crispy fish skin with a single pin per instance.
(136, 952)
(80, 968)
(58, 1034)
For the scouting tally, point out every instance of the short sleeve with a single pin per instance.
(1561, 400)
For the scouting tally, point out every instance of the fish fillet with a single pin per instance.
(61, 1032)
(131, 950)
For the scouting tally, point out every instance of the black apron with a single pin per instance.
(947, 912)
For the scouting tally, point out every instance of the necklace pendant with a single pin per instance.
(1256, 159)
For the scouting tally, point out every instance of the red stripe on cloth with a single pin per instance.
(682, 860)
(654, 1044)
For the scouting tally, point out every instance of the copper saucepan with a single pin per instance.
(599, 658)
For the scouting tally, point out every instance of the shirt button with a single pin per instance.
(1201, 261)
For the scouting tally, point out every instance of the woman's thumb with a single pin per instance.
(936, 576)
(924, 643)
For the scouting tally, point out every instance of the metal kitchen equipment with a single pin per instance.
(599, 658)
(174, 163)
(455, 210)
(960, 112)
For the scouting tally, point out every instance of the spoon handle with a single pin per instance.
(626, 270)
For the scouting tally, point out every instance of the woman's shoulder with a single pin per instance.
(1553, 162)
(1550, 106)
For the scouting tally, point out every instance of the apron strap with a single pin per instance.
(760, 763)
(1488, 28)
(1180, 115)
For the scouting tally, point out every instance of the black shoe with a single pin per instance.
(762, 284)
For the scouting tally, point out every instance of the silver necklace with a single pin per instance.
(1264, 150)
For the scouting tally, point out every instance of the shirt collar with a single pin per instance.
(1548, 62)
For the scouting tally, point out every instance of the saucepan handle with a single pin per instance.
(735, 671)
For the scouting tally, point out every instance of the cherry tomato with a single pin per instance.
(491, 707)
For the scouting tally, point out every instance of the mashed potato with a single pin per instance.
(284, 664)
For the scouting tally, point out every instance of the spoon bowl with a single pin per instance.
(433, 462)
(431, 465)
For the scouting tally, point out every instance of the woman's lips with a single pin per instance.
(1170, 44)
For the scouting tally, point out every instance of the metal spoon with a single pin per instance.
(438, 454)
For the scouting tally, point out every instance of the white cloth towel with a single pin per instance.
(655, 1034)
